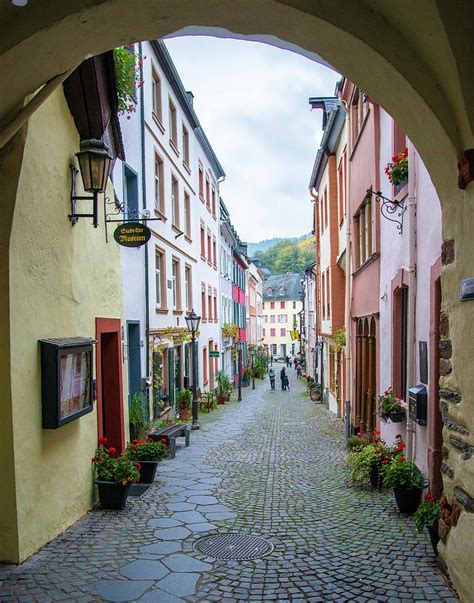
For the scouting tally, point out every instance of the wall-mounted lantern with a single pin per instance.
(94, 163)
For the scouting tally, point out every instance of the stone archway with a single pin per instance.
(416, 62)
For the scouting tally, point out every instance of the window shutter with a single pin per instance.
(157, 391)
(171, 390)
(196, 363)
(186, 361)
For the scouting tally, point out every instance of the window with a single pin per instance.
(263, 306)
(399, 144)
(272, 318)
(263, 332)
(156, 96)
(215, 306)
(203, 242)
(209, 304)
(176, 284)
(159, 194)
(185, 146)
(172, 126)
(188, 288)
(187, 215)
(282, 291)
(400, 341)
(272, 332)
(282, 318)
(130, 193)
(265, 318)
(213, 201)
(328, 295)
(203, 303)
(214, 252)
(160, 289)
(326, 208)
(363, 233)
(272, 305)
(209, 247)
(208, 197)
(201, 181)
(323, 289)
(282, 305)
(341, 187)
(294, 305)
(174, 202)
(282, 332)
(359, 110)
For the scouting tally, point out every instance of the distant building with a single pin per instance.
(281, 306)
(254, 305)
(309, 336)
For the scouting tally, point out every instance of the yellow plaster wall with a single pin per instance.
(61, 278)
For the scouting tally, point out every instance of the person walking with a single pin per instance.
(287, 360)
(287, 383)
(283, 379)
(271, 376)
(299, 368)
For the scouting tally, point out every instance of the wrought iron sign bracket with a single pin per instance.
(391, 210)
(74, 216)
(122, 208)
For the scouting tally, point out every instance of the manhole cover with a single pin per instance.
(233, 546)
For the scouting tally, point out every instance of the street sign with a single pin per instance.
(213, 354)
(132, 234)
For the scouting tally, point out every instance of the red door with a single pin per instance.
(109, 382)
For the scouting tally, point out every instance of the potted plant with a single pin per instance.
(427, 516)
(390, 407)
(138, 416)
(223, 384)
(246, 378)
(397, 169)
(405, 478)
(114, 475)
(147, 454)
(368, 454)
(315, 391)
(185, 398)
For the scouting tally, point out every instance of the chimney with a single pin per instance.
(190, 97)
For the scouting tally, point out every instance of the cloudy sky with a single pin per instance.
(252, 101)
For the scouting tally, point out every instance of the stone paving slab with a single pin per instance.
(271, 465)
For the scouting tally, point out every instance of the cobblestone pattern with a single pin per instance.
(272, 466)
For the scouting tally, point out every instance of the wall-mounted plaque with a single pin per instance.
(66, 380)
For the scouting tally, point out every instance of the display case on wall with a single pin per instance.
(66, 379)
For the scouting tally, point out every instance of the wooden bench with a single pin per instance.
(180, 430)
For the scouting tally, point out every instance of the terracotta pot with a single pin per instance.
(221, 399)
(184, 414)
(315, 395)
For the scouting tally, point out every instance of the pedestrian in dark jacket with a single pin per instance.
(283, 379)
(287, 383)
(271, 376)
(287, 360)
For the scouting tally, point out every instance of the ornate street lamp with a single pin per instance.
(94, 163)
(192, 323)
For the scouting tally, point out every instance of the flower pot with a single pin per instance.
(112, 495)
(221, 399)
(315, 395)
(408, 499)
(434, 537)
(184, 414)
(397, 417)
(147, 471)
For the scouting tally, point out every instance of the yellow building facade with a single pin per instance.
(60, 279)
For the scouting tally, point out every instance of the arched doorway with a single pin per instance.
(424, 82)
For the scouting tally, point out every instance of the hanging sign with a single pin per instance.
(294, 335)
(214, 354)
(132, 234)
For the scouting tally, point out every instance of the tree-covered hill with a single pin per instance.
(288, 255)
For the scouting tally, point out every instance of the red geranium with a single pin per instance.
(112, 450)
(103, 441)
(133, 446)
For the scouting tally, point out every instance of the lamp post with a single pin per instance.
(252, 353)
(192, 323)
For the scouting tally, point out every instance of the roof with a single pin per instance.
(185, 100)
(282, 286)
(334, 117)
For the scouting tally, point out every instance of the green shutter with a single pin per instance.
(196, 363)
(157, 391)
(186, 362)
(171, 391)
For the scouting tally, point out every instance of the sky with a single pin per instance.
(252, 101)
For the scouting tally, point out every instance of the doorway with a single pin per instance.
(134, 359)
(109, 382)
(435, 420)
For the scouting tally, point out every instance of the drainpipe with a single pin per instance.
(142, 141)
(411, 326)
(347, 307)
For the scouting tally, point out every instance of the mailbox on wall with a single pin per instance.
(66, 379)
(418, 402)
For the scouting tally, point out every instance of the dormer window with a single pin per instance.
(282, 291)
(269, 292)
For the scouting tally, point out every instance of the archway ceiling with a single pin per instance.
(414, 58)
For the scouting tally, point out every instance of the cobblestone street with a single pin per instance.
(271, 466)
